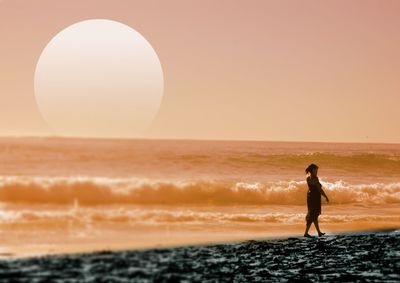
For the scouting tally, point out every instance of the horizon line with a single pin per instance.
(188, 139)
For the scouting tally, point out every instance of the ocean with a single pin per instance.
(66, 195)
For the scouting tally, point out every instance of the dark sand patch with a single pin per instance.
(352, 257)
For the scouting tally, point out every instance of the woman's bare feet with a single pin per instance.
(308, 235)
(320, 234)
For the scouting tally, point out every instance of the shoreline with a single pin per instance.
(351, 256)
(76, 250)
(68, 232)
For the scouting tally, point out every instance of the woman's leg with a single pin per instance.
(317, 226)
(308, 224)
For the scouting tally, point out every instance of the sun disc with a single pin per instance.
(98, 78)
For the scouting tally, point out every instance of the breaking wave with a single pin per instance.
(88, 191)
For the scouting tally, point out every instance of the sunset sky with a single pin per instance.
(245, 70)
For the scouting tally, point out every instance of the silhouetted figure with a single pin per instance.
(313, 199)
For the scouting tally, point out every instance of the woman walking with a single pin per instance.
(313, 199)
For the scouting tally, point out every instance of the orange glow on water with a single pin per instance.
(70, 195)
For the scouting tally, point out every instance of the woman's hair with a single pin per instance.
(311, 167)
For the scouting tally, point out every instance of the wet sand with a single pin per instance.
(353, 257)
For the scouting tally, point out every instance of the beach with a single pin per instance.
(72, 195)
(199, 141)
(371, 256)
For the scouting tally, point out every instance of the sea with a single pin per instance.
(68, 195)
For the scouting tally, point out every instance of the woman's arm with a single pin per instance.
(323, 193)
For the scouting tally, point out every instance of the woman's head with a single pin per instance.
(312, 169)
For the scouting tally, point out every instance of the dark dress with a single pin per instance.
(313, 199)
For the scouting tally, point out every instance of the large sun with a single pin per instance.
(98, 78)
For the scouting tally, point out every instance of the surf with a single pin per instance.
(90, 191)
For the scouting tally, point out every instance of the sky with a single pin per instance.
(242, 70)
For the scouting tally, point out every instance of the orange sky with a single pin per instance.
(264, 70)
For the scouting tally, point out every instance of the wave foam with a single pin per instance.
(85, 216)
(103, 191)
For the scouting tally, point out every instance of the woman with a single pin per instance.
(313, 199)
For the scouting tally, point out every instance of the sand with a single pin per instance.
(353, 257)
